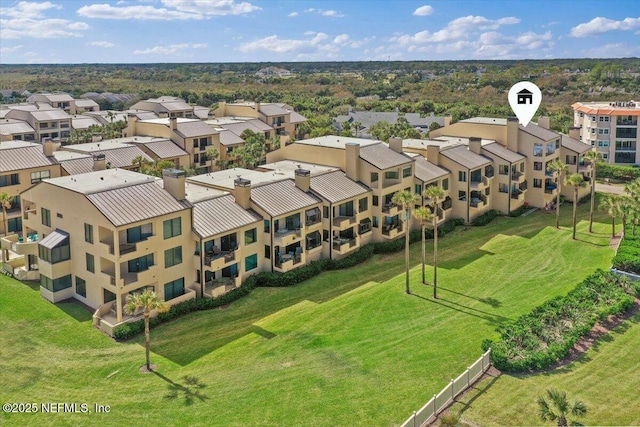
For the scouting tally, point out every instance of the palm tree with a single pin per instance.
(406, 199)
(633, 190)
(611, 204)
(592, 157)
(436, 195)
(6, 200)
(576, 180)
(560, 168)
(147, 300)
(562, 406)
(212, 154)
(140, 161)
(424, 215)
(357, 126)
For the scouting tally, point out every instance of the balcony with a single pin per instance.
(30, 210)
(517, 176)
(627, 122)
(286, 262)
(392, 230)
(447, 204)
(217, 287)
(20, 246)
(342, 222)
(517, 194)
(390, 209)
(285, 237)
(218, 259)
(344, 245)
(551, 188)
(584, 168)
(478, 202)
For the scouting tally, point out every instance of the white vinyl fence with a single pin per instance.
(440, 401)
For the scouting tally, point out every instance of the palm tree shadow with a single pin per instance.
(490, 317)
(190, 390)
(493, 302)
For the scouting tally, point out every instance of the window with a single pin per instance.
(250, 236)
(139, 233)
(59, 215)
(267, 225)
(503, 169)
(374, 201)
(251, 262)
(172, 228)
(7, 180)
(462, 195)
(313, 240)
(267, 251)
(174, 289)
(603, 131)
(55, 285)
(90, 264)
(445, 184)
(46, 217)
(537, 166)
(81, 287)
(605, 156)
(593, 118)
(88, 233)
(391, 175)
(603, 143)
(140, 264)
(325, 235)
(325, 211)
(374, 177)
(551, 148)
(537, 183)
(57, 254)
(462, 176)
(406, 172)
(593, 131)
(503, 188)
(537, 150)
(418, 189)
(363, 204)
(375, 222)
(14, 224)
(364, 226)
(172, 257)
(39, 176)
(626, 157)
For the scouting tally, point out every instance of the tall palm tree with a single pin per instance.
(575, 180)
(147, 300)
(5, 200)
(560, 168)
(611, 205)
(561, 407)
(357, 126)
(633, 190)
(424, 215)
(592, 157)
(436, 195)
(406, 199)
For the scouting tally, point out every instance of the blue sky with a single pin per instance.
(142, 31)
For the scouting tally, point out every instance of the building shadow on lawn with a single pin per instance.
(75, 309)
(493, 319)
(456, 263)
(189, 392)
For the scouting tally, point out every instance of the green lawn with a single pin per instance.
(345, 348)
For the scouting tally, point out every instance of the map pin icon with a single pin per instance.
(525, 98)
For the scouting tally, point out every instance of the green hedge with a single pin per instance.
(628, 255)
(522, 209)
(617, 172)
(485, 218)
(545, 335)
(273, 279)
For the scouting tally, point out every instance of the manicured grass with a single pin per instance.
(345, 348)
(606, 379)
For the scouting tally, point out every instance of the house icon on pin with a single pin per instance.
(525, 97)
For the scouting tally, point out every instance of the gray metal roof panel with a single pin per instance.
(539, 132)
(383, 157)
(54, 239)
(503, 152)
(165, 149)
(77, 166)
(336, 186)
(194, 128)
(278, 198)
(427, 171)
(220, 215)
(461, 155)
(14, 159)
(575, 145)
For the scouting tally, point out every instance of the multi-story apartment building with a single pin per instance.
(281, 117)
(23, 164)
(16, 130)
(47, 122)
(60, 100)
(611, 127)
(101, 236)
(428, 175)
(166, 106)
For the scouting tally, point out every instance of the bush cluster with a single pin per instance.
(628, 255)
(485, 218)
(272, 279)
(617, 172)
(545, 335)
(522, 209)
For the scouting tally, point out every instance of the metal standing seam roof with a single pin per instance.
(238, 128)
(383, 157)
(126, 205)
(227, 137)
(77, 166)
(539, 132)
(279, 198)
(12, 127)
(461, 155)
(220, 215)
(427, 171)
(165, 149)
(336, 186)
(272, 110)
(14, 159)
(122, 157)
(55, 114)
(503, 153)
(296, 117)
(574, 145)
(54, 239)
(194, 128)
(176, 106)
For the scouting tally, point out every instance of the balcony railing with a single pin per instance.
(339, 242)
(343, 221)
(447, 204)
(515, 175)
(626, 122)
(225, 256)
(478, 202)
(387, 229)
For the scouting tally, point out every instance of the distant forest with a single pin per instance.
(322, 90)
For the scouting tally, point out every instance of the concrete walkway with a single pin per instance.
(611, 189)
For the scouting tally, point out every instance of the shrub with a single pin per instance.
(522, 209)
(617, 172)
(485, 218)
(628, 255)
(545, 335)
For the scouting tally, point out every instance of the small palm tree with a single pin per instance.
(357, 126)
(633, 190)
(147, 300)
(141, 162)
(406, 199)
(592, 157)
(6, 200)
(436, 195)
(611, 205)
(558, 407)
(575, 180)
(424, 215)
(560, 168)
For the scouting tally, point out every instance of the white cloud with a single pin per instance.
(317, 46)
(341, 39)
(104, 44)
(10, 49)
(169, 50)
(212, 7)
(40, 29)
(293, 14)
(106, 11)
(425, 10)
(612, 50)
(26, 9)
(323, 12)
(602, 25)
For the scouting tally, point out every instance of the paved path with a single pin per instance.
(612, 189)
